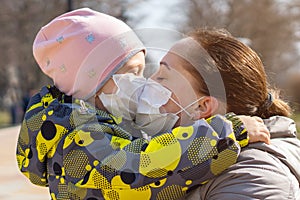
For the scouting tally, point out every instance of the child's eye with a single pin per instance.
(134, 72)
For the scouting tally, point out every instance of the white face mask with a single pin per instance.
(124, 102)
(139, 99)
(148, 116)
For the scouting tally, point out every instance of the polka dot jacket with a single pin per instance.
(80, 152)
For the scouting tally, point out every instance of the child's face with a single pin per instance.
(134, 65)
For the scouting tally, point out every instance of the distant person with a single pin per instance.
(81, 151)
(12, 100)
(25, 101)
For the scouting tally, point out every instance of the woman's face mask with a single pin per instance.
(139, 100)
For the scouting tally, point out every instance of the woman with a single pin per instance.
(262, 171)
(81, 152)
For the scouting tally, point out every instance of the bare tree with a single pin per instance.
(20, 21)
(268, 24)
(272, 28)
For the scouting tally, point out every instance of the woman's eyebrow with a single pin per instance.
(165, 64)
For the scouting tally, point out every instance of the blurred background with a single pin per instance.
(270, 27)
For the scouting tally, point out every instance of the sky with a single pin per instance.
(157, 13)
(166, 15)
(157, 23)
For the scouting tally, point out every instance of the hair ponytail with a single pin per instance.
(278, 106)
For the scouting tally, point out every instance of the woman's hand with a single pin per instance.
(257, 131)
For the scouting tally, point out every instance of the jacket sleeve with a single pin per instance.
(239, 129)
(186, 157)
(39, 137)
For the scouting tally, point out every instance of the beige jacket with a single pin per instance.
(262, 171)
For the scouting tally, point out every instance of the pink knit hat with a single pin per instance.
(80, 50)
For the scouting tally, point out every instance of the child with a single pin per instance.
(80, 151)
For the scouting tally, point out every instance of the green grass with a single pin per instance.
(296, 117)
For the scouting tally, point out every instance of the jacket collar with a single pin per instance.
(281, 127)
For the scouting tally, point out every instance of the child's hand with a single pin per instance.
(257, 131)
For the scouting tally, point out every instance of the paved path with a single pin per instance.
(14, 185)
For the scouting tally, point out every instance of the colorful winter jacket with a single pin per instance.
(81, 152)
(262, 171)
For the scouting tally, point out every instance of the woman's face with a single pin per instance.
(173, 74)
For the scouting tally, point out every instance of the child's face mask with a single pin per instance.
(139, 99)
(123, 103)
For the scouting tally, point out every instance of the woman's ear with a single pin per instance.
(207, 107)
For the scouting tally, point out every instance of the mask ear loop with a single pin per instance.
(191, 116)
